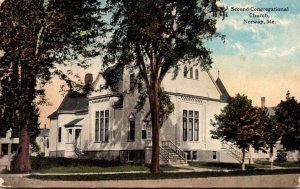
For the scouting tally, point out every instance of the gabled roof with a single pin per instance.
(70, 103)
(224, 94)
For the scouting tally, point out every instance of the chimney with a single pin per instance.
(88, 79)
(263, 102)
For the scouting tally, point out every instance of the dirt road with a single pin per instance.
(288, 180)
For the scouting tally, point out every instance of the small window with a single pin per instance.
(188, 155)
(59, 134)
(130, 156)
(47, 142)
(131, 132)
(194, 155)
(214, 154)
(191, 73)
(196, 74)
(185, 71)
(144, 134)
(256, 151)
(131, 84)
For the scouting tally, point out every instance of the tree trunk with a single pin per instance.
(243, 160)
(22, 164)
(154, 108)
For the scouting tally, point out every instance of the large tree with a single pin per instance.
(287, 114)
(34, 35)
(154, 37)
(242, 124)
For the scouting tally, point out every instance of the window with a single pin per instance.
(144, 134)
(131, 84)
(130, 156)
(188, 155)
(196, 74)
(194, 155)
(106, 125)
(196, 126)
(190, 125)
(102, 126)
(70, 136)
(255, 151)
(184, 125)
(97, 126)
(190, 134)
(191, 73)
(185, 72)
(59, 134)
(214, 155)
(131, 132)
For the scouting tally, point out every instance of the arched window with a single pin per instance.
(196, 74)
(131, 128)
(191, 73)
(185, 71)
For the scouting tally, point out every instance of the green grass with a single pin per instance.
(288, 164)
(219, 165)
(93, 169)
(149, 176)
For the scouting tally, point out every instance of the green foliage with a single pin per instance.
(241, 124)
(287, 115)
(39, 163)
(34, 36)
(281, 156)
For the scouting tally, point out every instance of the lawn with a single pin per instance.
(255, 165)
(166, 175)
(68, 165)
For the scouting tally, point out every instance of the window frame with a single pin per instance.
(131, 130)
(59, 134)
(102, 121)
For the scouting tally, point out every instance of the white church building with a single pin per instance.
(105, 125)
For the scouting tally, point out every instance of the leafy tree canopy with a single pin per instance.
(154, 37)
(241, 123)
(287, 114)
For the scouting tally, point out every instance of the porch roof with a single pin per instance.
(74, 123)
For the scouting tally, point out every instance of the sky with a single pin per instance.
(258, 60)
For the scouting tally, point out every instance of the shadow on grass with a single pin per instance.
(150, 176)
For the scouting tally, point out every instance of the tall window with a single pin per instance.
(131, 133)
(59, 134)
(131, 84)
(196, 74)
(184, 125)
(196, 126)
(97, 126)
(102, 126)
(190, 125)
(191, 73)
(185, 72)
(106, 126)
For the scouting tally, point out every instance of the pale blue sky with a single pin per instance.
(259, 59)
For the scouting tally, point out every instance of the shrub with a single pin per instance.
(47, 162)
(281, 156)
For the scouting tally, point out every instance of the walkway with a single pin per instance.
(290, 180)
